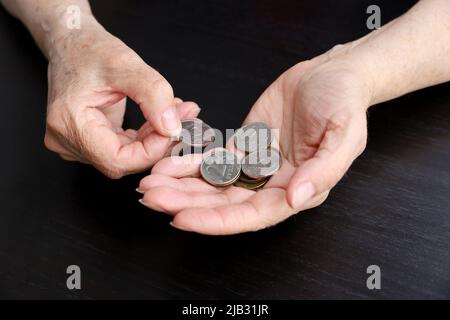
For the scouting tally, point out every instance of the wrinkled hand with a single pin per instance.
(319, 106)
(90, 75)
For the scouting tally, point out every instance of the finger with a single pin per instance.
(281, 178)
(117, 154)
(53, 143)
(178, 167)
(336, 152)
(115, 111)
(154, 95)
(172, 201)
(186, 110)
(315, 201)
(131, 133)
(73, 158)
(184, 184)
(127, 136)
(265, 208)
(112, 155)
(67, 157)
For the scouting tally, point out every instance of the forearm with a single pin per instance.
(410, 53)
(47, 19)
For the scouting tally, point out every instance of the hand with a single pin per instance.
(320, 108)
(90, 75)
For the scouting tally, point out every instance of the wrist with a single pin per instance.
(407, 54)
(52, 21)
(343, 58)
(368, 59)
(60, 39)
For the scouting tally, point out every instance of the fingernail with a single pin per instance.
(140, 190)
(171, 122)
(177, 227)
(303, 193)
(141, 201)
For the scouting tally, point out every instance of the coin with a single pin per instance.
(220, 168)
(262, 163)
(244, 178)
(250, 185)
(253, 137)
(196, 133)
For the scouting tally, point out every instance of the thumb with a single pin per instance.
(338, 149)
(155, 97)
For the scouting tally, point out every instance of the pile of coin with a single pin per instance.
(261, 161)
(254, 170)
(221, 167)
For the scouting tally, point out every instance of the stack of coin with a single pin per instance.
(222, 167)
(261, 160)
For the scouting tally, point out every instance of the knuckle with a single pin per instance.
(113, 172)
(53, 121)
(333, 174)
(122, 59)
(335, 50)
(49, 143)
(339, 170)
(362, 145)
(57, 118)
(323, 198)
(337, 47)
(67, 157)
(160, 85)
(318, 200)
(119, 56)
(361, 142)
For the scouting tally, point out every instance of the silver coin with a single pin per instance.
(196, 133)
(220, 168)
(253, 137)
(261, 164)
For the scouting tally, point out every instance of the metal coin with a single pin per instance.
(253, 137)
(220, 168)
(256, 184)
(264, 163)
(246, 179)
(196, 133)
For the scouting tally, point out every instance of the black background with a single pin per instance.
(392, 208)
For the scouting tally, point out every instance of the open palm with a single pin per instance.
(319, 109)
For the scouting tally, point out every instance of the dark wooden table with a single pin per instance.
(392, 209)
